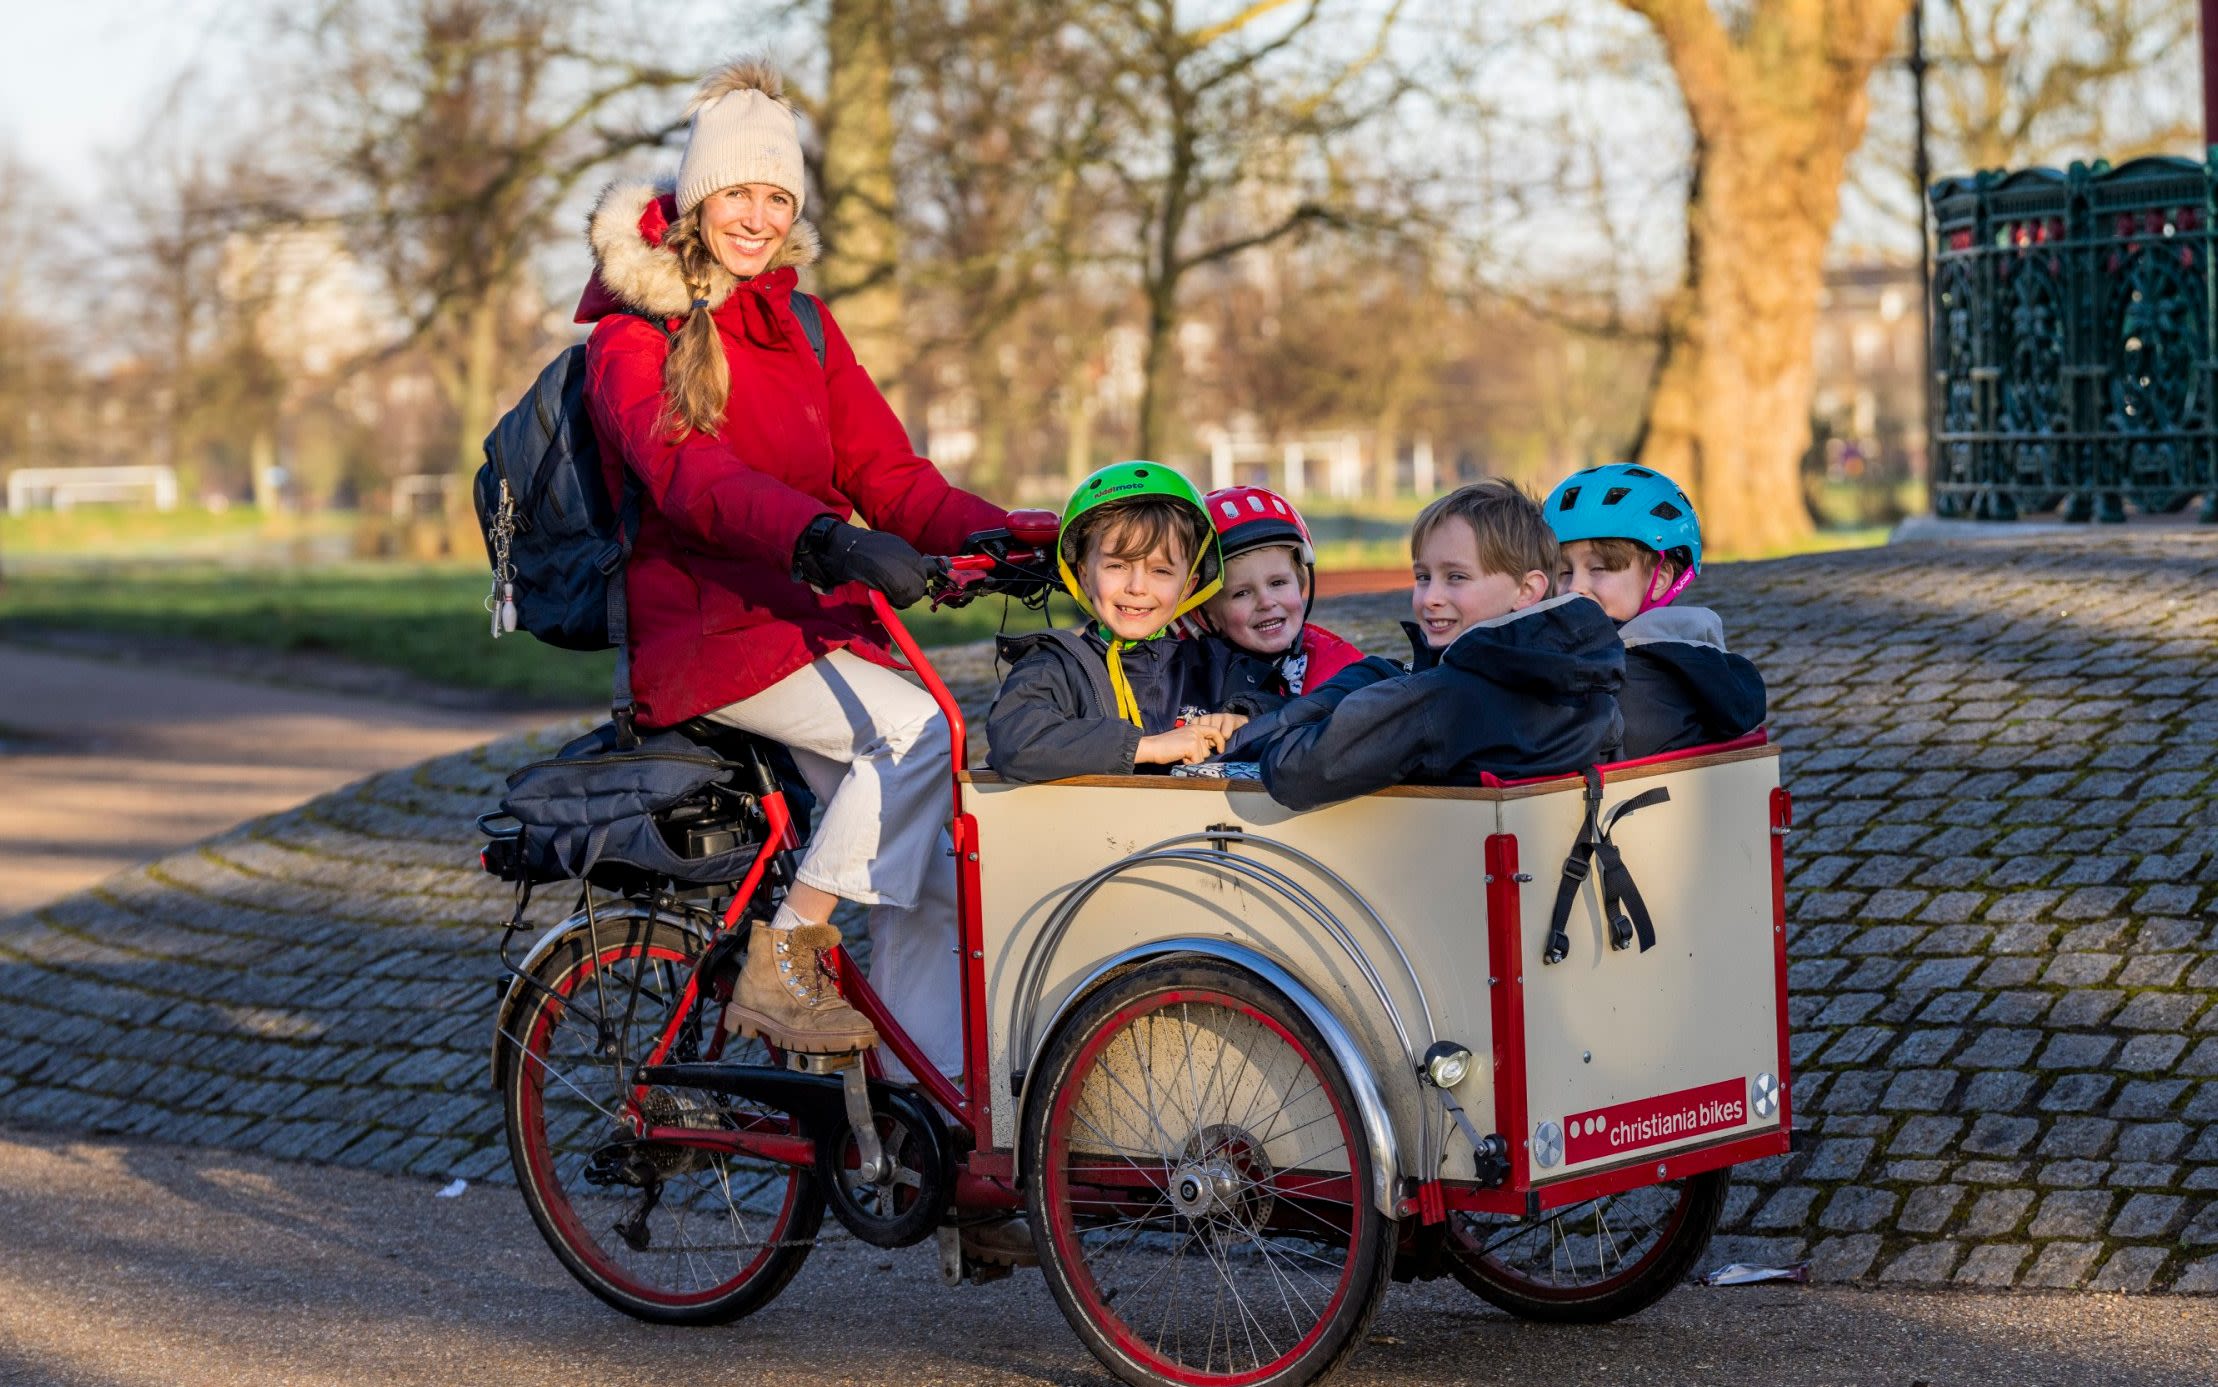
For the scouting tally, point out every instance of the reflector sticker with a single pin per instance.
(1691, 1112)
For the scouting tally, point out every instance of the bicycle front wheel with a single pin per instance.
(666, 1232)
(1200, 1187)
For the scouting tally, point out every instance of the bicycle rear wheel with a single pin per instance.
(1594, 1261)
(665, 1232)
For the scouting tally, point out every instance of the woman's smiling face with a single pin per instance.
(745, 224)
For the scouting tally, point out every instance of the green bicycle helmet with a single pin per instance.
(1133, 481)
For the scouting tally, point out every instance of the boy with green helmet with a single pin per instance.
(1137, 552)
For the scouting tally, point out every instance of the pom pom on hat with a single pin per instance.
(743, 132)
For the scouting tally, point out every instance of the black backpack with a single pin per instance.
(556, 542)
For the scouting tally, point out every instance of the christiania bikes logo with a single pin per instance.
(1691, 1112)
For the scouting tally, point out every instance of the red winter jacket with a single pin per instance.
(716, 614)
(1328, 655)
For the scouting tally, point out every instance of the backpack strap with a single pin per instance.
(810, 310)
(620, 707)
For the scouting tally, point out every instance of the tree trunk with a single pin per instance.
(989, 466)
(1078, 422)
(1387, 428)
(1729, 409)
(1776, 115)
(1155, 368)
(860, 272)
(473, 399)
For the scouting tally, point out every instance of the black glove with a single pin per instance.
(831, 553)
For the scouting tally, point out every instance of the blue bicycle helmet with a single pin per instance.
(1623, 500)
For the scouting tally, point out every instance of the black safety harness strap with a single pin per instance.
(1622, 905)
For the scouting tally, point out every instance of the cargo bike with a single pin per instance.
(1238, 1066)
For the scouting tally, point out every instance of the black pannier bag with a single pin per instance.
(665, 810)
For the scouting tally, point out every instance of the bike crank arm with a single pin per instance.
(870, 1153)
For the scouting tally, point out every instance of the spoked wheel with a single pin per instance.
(1201, 1185)
(671, 1233)
(1592, 1262)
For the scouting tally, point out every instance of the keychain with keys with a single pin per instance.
(501, 601)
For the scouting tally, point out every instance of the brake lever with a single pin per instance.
(953, 589)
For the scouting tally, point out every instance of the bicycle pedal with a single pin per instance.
(824, 1064)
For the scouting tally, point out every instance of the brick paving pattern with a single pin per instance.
(2004, 949)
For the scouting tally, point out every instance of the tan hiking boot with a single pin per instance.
(786, 994)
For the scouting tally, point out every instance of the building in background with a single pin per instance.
(1867, 411)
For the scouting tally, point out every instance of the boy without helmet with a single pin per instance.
(1504, 677)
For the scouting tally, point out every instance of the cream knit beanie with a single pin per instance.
(743, 132)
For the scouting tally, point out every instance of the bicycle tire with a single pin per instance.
(778, 1210)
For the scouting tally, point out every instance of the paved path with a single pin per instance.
(2005, 759)
(105, 765)
(131, 1265)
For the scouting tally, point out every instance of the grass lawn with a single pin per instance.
(425, 620)
(114, 533)
(137, 573)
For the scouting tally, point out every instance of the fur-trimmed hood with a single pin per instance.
(634, 271)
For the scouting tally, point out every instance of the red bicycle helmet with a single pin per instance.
(1252, 517)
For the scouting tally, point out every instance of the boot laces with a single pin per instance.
(806, 976)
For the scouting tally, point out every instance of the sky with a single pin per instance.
(79, 79)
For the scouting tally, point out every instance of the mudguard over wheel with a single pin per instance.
(1591, 1262)
(1199, 1183)
(668, 1233)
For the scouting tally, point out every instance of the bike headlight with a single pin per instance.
(1446, 1064)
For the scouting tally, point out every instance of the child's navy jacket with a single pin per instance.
(1530, 693)
(1682, 687)
(1056, 716)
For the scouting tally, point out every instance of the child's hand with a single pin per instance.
(1224, 723)
(1181, 746)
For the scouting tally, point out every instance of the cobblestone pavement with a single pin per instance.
(2003, 944)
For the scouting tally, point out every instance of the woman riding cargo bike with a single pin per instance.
(1237, 1066)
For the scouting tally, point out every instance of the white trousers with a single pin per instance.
(873, 748)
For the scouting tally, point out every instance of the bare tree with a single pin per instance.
(2040, 81)
(461, 127)
(37, 376)
(2017, 83)
(1230, 128)
(1776, 91)
(999, 129)
(855, 126)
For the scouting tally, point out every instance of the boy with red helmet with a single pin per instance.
(1270, 582)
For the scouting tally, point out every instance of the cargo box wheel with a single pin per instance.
(1200, 1184)
(1591, 1262)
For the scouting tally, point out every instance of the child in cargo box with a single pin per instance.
(1270, 583)
(1504, 676)
(1632, 542)
(1123, 693)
